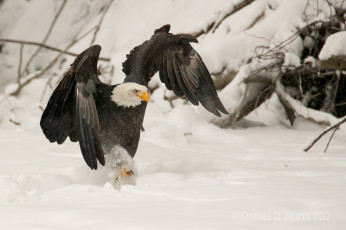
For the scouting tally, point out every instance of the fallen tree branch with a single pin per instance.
(294, 105)
(48, 47)
(336, 126)
(222, 79)
(290, 112)
(247, 103)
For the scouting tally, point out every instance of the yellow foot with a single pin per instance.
(124, 173)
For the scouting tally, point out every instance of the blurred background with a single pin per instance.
(280, 41)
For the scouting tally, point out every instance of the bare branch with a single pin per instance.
(235, 9)
(48, 47)
(215, 24)
(173, 98)
(48, 83)
(331, 137)
(290, 111)
(100, 22)
(19, 88)
(222, 79)
(336, 126)
(47, 35)
(20, 63)
(14, 122)
(259, 17)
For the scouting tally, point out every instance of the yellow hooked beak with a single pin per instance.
(144, 96)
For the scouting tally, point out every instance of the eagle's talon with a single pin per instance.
(124, 173)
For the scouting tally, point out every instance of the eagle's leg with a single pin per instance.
(122, 164)
(124, 173)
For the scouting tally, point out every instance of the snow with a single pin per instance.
(190, 174)
(241, 46)
(291, 60)
(334, 46)
(204, 180)
(310, 61)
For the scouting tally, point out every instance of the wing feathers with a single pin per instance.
(179, 65)
(56, 118)
(71, 110)
(98, 148)
(171, 76)
(187, 37)
(165, 78)
(187, 79)
(193, 78)
(182, 85)
(88, 124)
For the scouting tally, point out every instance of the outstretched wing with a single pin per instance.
(180, 67)
(71, 110)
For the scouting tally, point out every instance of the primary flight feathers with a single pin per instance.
(179, 65)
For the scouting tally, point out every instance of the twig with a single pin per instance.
(171, 99)
(236, 8)
(47, 35)
(14, 122)
(19, 88)
(48, 47)
(331, 137)
(290, 39)
(259, 17)
(220, 72)
(20, 63)
(340, 104)
(342, 4)
(215, 24)
(100, 22)
(48, 83)
(337, 125)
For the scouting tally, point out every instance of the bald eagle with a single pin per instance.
(104, 117)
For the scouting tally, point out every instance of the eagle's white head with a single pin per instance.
(130, 94)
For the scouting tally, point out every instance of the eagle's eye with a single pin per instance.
(136, 90)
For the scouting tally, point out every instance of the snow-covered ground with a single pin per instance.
(190, 173)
